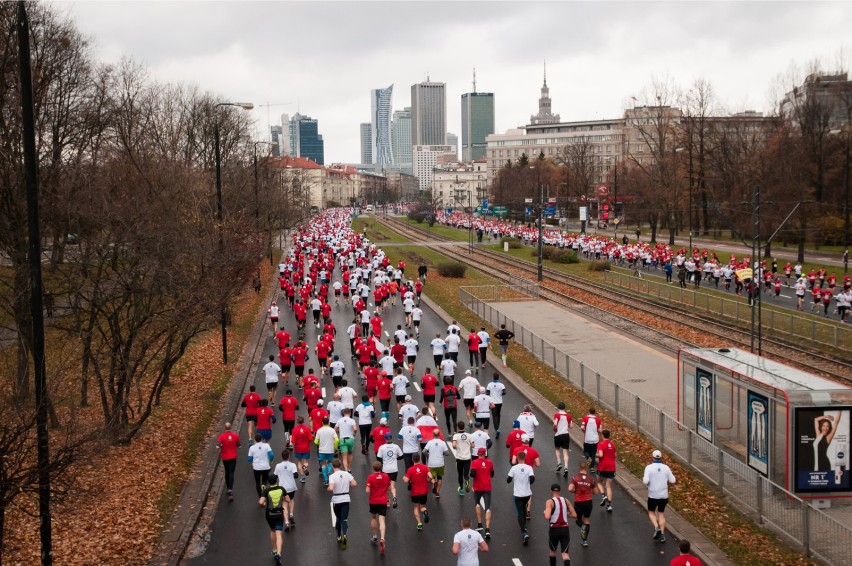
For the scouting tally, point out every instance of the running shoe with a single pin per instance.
(609, 507)
(559, 467)
(565, 473)
(526, 538)
(425, 516)
(286, 526)
(657, 534)
(292, 521)
(381, 546)
(374, 539)
(603, 501)
(584, 543)
(230, 495)
(344, 544)
(394, 503)
(528, 516)
(434, 489)
(460, 490)
(277, 558)
(302, 479)
(419, 526)
(306, 471)
(487, 534)
(497, 434)
(467, 485)
(662, 537)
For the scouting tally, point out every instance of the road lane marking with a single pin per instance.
(323, 391)
(333, 518)
(386, 334)
(417, 387)
(517, 562)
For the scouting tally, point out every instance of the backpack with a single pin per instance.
(275, 510)
(450, 394)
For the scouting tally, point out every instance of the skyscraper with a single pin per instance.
(477, 113)
(380, 118)
(401, 140)
(428, 113)
(453, 141)
(366, 143)
(544, 116)
(305, 139)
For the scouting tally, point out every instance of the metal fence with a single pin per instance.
(809, 529)
(785, 324)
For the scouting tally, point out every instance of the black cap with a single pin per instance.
(556, 487)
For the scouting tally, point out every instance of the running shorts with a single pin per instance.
(657, 504)
(558, 538)
(562, 441)
(438, 472)
(379, 509)
(347, 445)
(483, 499)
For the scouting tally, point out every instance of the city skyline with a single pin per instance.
(741, 48)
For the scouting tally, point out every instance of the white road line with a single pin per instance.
(417, 387)
(517, 562)
(333, 518)
(323, 391)
(386, 334)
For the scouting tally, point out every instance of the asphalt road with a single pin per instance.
(240, 533)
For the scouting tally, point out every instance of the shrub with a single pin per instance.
(569, 256)
(417, 215)
(455, 270)
(514, 243)
(599, 265)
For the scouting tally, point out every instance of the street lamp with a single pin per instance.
(469, 225)
(224, 313)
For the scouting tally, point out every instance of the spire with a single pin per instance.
(545, 72)
(474, 80)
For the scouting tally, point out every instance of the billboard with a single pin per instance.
(758, 432)
(821, 435)
(704, 403)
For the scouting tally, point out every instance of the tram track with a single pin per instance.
(592, 299)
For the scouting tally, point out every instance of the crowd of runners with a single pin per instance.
(830, 293)
(408, 424)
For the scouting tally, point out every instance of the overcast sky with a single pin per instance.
(322, 58)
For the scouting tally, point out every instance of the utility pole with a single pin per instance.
(540, 225)
(36, 299)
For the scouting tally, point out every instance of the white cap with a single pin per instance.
(408, 397)
(525, 438)
(467, 372)
(383, 421)
(481, 389)
(319, 403)
(656, 454)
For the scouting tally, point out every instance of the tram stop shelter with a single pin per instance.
(789, 425)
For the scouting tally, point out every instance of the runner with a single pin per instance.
(271, 372)
(339, 483)
(418, 478)
(657, 477)
(273, 316)
(467, 543)
(335, 410)
(496, 390)
(376, 486)
(453, 340)
(590, 426)
(346, 429)
(251, 402)
(429, 383)
(260, 456)
(327, 443)
(288, 407)
(408, 409)
(301, 439)
(606, 469)
(434, 451)
(462, 447)
(228, 443)
(449, 399)
(473, 342)
(469, 387)
(411, 349)
(448, 366)
(439, 348)
(480, 438)
(410, 436)
(365, 413)
(286, 473)
(265, 418)
(482, 470)
(482, 407)
(416, 317)
(685, 558)
(522, 477)
(503, 336)
(484, 343)
(562, 424)
(528, 422)
(400, 385)
(582, 485)
(389, 454)
(272, 499)
(557, 511)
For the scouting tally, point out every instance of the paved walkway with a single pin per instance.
(634, 366)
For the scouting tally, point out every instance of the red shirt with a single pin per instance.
(385, 388)
(398, 353)
(378, 435)
(473, 342)
(484, 469)
(286, 356)
(325, 310)
(514, 439)
(301, 312)
(826, 296)
(310, 380)
(607, 460)
(288, 407)
(417, 476)
(282, 338)
(251, 402)
(686, 560)
(364, 352)
(379, 483)
(312, 395)
(323, 348)
(229, 441)
(264, 417)
(376, 323)
(317, 415)
(583, 485)
(371, 374)
(531, 452)
(299, 355)
(282, 282)
(429, 382)
(302, 438)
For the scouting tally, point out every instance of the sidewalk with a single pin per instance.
(709, 553)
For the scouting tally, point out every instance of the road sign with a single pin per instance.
(615, 221)
(583, 213)
(485, 203)
(550, 211)
(552, 200)
(528, 211)
(602, 190)
(528, 200)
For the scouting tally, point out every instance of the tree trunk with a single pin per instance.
(705, 214)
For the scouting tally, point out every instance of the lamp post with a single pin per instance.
(540, 221)
(224, 311)
(469, 225)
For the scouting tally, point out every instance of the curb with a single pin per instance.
(679, 527)
(189, 525)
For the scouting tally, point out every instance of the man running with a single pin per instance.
(287, 474)
(389, 454)
(260, 456)
(606, 469)
(339, 483)
(590, 425)
(271, 372)
(482, 407)
(562, 424)
(557, 511)
(685, 558)
(484, 343)
(365, 413)
(462, 447)
(377, 485)
(469, 387)
(272, 499)
(503, 336)
(410, 436)
(228, 443)
(346, 429)
(327, 443)
(418, 478)
(251, 402)
(522, 477)
(482, 470)
(657, 477)
(582, 485)
(449, 400)
(435, 450)
(429, 384)
(467, 543)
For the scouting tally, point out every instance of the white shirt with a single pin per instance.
(417, 313)
(484, 339)
(657, 477)
(273, 311)
(496, 390)
(469, 386)
(453, 341)
(560, 421)
(365, 414)
(337, 368)
(326, 437)
(285, 471)
(528, 423)
(468, 541)
(335, 411)
(387, 364)
(411, 346)
(408, 304)
(410, 436)
(271, 370)
(452, 327)
(340, 482)
(316, 304)
(400, 333)
(352, 331)
(259, 453)
(521, 474)
(436, 449)
(365, 316)
(482, 405)
(347, 397)
(346, 427)
(388, 454)
(408, 410)
(438, 347)
(448, 367)
(480, 439)
(400, 383)
(463, 444)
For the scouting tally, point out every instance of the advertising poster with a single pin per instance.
(758, 432)
(704, 403)
(822, 449)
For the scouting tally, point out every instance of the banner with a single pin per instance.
(704, 403)
(745, 273)
(822, 449)
(758, 432)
